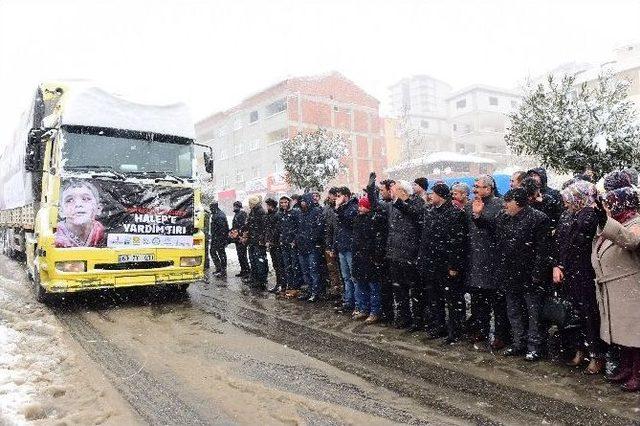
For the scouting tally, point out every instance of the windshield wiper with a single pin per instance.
(159, 176)
(95, 168)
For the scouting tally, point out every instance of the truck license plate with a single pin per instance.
(135, 258)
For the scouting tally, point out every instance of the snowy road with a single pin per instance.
(224, 354)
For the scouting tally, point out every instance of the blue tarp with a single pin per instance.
(502, 181)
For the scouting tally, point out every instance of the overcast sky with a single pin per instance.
(212, 54)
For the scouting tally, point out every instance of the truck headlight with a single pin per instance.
(191, 261)
(72, 266)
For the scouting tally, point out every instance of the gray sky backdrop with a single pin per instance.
(212, 54)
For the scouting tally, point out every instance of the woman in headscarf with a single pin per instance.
(574, 274)
(616, 260)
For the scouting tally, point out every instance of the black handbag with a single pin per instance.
(559, 312)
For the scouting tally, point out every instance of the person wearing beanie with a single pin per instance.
(289, 224)
(254, 232)
(238, 222)
(346, 211)
(523, 269)
(486, 296)
(617, 179)
(420, 188)
(272, 238)
(403, 240)
(441, 260)
(218, 239)
(368, 249)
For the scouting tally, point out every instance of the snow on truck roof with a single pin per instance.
(89, 105)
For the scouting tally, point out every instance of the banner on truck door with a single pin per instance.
(106, 213)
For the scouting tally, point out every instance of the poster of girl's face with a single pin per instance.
(80, 204)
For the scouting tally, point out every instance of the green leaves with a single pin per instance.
(573, 128)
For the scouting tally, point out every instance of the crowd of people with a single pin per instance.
(497, 270)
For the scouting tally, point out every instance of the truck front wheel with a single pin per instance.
(41, 295)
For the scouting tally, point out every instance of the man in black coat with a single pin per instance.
(272, 236)
(381, 202)
(254, 232)
(218, 239)
(289, 225)
(309, 242)
(441, 260)
(542, 202)
(540, 175)
(402, 252)
(523, 267)
(238, 222)
(486, 295)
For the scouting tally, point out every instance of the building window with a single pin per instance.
(253, 116)
(275, 107)
(277, 136)
(493, 101)
(255, 172)
(424, 124)
(455, 127)
(239, 149)
(254, 145)
(223, 154)
(239, 176)
(461, 103)
(514, 104)
(237, 123)
(225, 181)
(335, 108)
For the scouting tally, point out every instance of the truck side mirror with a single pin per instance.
(34, 147)
(208, 162)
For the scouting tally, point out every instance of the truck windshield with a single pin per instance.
(128, 152)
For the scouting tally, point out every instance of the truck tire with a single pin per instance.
(41, 295)
(182, 288)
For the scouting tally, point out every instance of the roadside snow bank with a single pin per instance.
(42, 380)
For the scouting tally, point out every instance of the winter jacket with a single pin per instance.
(218, 229)
(256, 226)
(330, 223)
(369, 237)
(239, 220)
(272, 223)
(522, 250)
(616, 261)
(550, 207)
(443, 241)
(404, 230)
(481, 247)
(289, 224)
(573, 243)
(344, 229)
(553, 193)
(310, 234)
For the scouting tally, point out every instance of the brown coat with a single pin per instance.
(616, 262)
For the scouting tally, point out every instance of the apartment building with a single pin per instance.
(420, 104)
(478, 118)
(247, 138)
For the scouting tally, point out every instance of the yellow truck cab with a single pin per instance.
(99, 192)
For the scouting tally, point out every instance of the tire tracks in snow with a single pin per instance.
(153, 399)
(459, 395)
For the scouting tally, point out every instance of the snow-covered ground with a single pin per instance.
(42, 380)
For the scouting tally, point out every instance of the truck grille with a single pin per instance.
(133, 265)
